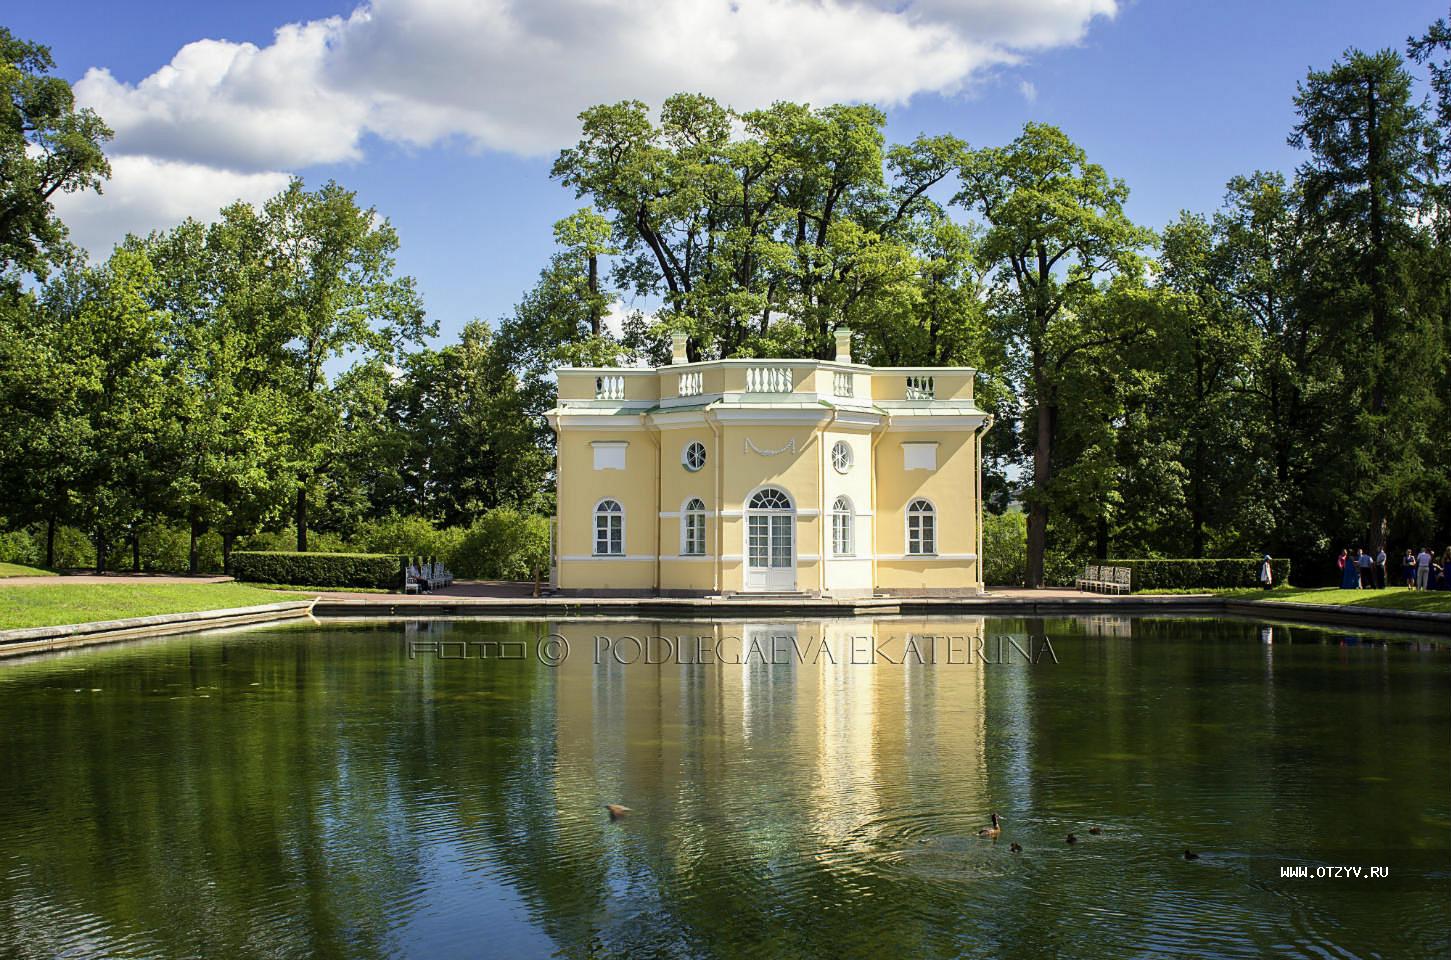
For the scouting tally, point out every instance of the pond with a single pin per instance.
(438, 789)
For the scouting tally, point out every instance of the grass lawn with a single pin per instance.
(1393, 598)
(16, 570)
(45, 605)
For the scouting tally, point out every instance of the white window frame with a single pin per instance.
(685, 456)
(923, 541)
(842, 456)
(843, 527)
(602, 513)
(688, 516)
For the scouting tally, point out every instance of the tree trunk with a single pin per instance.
(193, 559)
(1378, 524)
(595, 317)
(135, 551)
(100, 554)
(50, 543)
(227, 540)
(1196, 499)
(1100, 538)
(1379, 299)
(1038, 505)
(302, 520)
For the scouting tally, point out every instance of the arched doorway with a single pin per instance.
(770, 540)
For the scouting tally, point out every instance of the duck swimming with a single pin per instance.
(993, 830)
(1095, 830)
(616, 810)
(1071, 838)
(1190, 855)
(1016, 847)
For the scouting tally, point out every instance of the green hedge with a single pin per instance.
(318, 569)
(1185, 574)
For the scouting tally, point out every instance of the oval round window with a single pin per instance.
(693, 456)
(841, 456)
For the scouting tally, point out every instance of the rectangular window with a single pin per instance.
(781, 541)
(609, 534)
(694, 545)
(921, 534)
(759, 541)
(841, 524)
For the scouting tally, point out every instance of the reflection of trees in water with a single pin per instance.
(778, 809)
(283, 818)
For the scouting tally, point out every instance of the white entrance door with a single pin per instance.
(770, 541)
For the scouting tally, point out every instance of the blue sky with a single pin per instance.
(446, 114)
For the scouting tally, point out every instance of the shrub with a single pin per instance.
(18, 546)
(1206, 573)
(1005, 549)
(503, 544)
(318, 569)
(285, 540)
(410, 536)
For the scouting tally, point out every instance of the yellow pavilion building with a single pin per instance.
(820, 478)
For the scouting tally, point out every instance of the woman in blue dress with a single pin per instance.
(1350, 576)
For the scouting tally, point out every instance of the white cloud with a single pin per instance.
(512, 75)
(236, 106)
(1028, 90)
(146, 194)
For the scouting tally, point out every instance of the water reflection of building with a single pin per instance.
(659, 715)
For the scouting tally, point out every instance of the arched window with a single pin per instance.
(841, 456)
(921, 528)
(692, 528)
(770, 534)
(693, 456)
(770, 498)
(609, 529)
(843, 537)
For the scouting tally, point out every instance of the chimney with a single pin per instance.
(677, 348)
(843, 345)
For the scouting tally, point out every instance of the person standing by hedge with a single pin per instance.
(1408, 567)
(1267, 576)
(1423, 568)
(1365, 563)
(1380, 568)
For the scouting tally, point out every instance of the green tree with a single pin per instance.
(763, 242)
(1365, 184)
(1206, 349)
(48, 432)
(1055, 229)
(113, 337)
(47, 146)
(333, 262)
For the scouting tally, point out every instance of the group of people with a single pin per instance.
(1422, 571)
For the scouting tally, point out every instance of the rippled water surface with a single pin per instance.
(434, 790)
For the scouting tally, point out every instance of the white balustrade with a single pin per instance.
(609, 387)
(768, 379)
(842, 385)
(691, 384)
(920, 388)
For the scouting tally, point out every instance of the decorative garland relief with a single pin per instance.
(751, 447)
